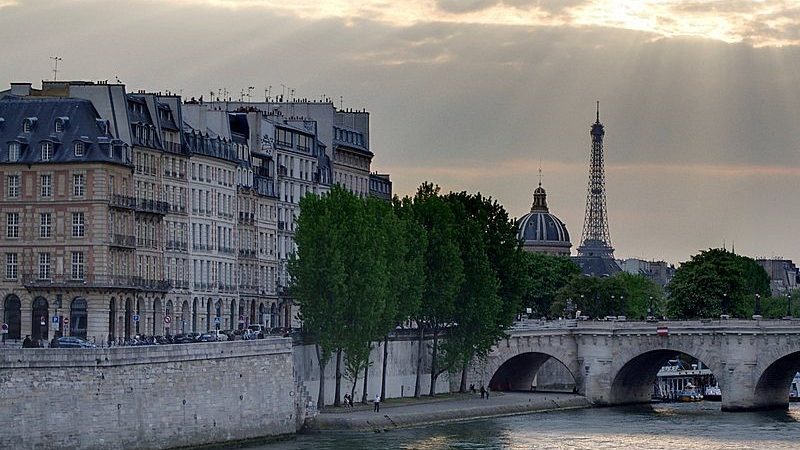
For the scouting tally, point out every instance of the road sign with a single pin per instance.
(42, 320)
(66, 320)
(167, 319)
(135, 317)
(241, 319)
(55, 319)
(4, 328)
(216, 319)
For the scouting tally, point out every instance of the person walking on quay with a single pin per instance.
(483, 392)
(54, 342)
(487, 393)
(377, 405)
(27, 343)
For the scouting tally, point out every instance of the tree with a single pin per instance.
(713, 281)
(545, 275)
(443, 270)
(405, 258)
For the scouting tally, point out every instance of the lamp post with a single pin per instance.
(724, 306)
(650, 308)
(613, 305)
(789, 304)
(622, 304)
(757, 309)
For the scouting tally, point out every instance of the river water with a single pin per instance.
(672, 426)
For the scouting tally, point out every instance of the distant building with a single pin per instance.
(783, 275)
(542, 232)
(659, 272)
(380, 185)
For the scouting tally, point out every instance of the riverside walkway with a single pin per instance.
(409, 412)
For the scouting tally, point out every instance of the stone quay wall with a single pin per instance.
(401, 370)
(150, 397)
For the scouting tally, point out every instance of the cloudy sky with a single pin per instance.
(700, 98)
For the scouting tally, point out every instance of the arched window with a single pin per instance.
(273, 316)
(128, 317)
(233, 314)
(40, 319)
(12, 316)
(194, 315)
(78, 318)
(208, 315)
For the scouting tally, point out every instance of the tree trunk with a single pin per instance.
(385, 359)
(366, 376)
(321, 395)
(434, 375)
(463, 387)
(353, 391)
(419, 360)
(336, 399)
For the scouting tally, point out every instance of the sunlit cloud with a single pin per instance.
(4, 3)
(755, 22)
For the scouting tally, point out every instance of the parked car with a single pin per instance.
(207, 337)
(220, 335)
(74, 342)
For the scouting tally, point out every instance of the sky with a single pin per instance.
(700, 98)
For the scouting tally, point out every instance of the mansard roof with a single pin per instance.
(78, 121)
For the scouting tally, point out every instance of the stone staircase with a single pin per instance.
(305, 405)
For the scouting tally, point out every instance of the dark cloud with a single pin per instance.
(464, 6)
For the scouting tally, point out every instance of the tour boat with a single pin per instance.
(712, 393)
(689, 394)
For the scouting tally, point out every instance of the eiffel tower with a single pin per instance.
(595, 254)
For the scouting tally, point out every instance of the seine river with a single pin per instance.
(699, 426)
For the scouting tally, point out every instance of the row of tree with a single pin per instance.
(443, 262)
(452, 265)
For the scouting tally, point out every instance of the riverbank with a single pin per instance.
(402, 413)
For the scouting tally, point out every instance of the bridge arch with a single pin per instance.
(632, 381)
(518, 372)
(774, 382)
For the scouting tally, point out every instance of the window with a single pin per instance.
(78, 225)
(283, 137)
(13, 152)
(12, 224)
(47, 151)
(12, 262)
(46, 182)
(59, 126)
(26, 126)
(77, 266)
(13, 186)
(78, 147)
(45, 224)
(44, 266)
(78, 184)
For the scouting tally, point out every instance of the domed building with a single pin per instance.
(542, 232)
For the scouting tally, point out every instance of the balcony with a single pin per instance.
(177, 246)
(281, 225)
(282, 171)
(152, 206)
(89, 280)
(247, 253)
(246, 218)
(123, 240)
(227, 250)
(122, 201)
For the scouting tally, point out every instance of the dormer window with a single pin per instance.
(59, 126)
(79, 148)
(13, 152)
(47, 151)
(26, 126)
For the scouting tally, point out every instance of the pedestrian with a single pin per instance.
(377, 405)
(27, 342)
(472, 388)
(483, 392)
(54, 343)
(487, 392)
(347, 400)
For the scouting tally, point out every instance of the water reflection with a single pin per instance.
(700, 426)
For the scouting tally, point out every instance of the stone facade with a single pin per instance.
(147, 397)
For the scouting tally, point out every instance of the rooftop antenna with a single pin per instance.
(291, 96)
(540, 172)
(55, 59)
(116, 77)
(341, 102)
(283, 92)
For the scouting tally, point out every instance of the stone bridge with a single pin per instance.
(616, 363)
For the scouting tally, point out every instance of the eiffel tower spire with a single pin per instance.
(596, 240)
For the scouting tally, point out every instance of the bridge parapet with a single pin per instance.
(579, 327)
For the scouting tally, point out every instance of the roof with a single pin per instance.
(79, 122)
(596, 266)
(538, 227)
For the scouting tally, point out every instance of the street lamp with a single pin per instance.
(569, 309)
(650, 308)
(725, 305)
(757, 310)
(613, 305)
(622, 304)
(789, 304)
